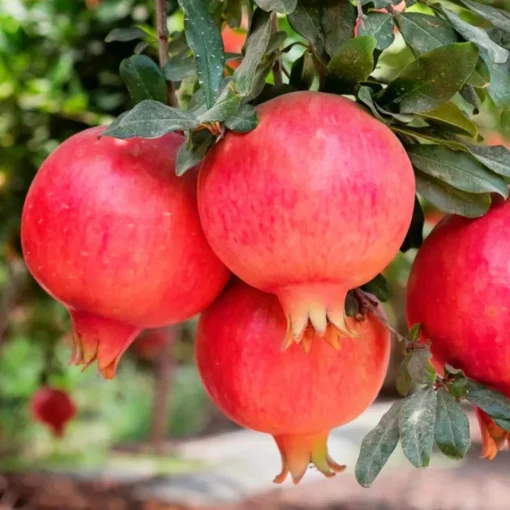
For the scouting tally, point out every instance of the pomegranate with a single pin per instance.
(151, 344)
(53, 408)
(297, 397)
(111, 232)
(315, 201)
(233, 42)
(459, 290)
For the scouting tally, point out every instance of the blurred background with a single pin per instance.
(150, 438)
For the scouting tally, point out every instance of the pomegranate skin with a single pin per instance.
(459, 290)
(53, 408)
(296, 397)
(111, 232)
(315, 201)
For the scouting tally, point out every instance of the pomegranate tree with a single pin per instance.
(313, 202)
(111, 232)
(53, 408)
(297, 397)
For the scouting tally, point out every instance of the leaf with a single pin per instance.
(352, 63)
(192, 151)
(456, 168)
(497, 17)
(151, 119)
(404, 381)
(494, 403)
(244, 120)
(416, 421)
(451, 115)
(377, 447)
(497, 157)
(477, 36)
(256, 45)
(414, 236)
(451, 200)
(381, 4)
(432, 79)
(504, 424)
(365, 96)
(379, 287)
(499, 86)
(414, 333)
(234, 13)
(126, 34)
(179, 67)
(379, 25)
(226, 105)
(303, 72)
(281, 6)
(451, 431)
(143, 79)
(425, 33)
(204, 39)
(481, 76)
(420, 368)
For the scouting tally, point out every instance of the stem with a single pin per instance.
(361, 16)
(162, 30)
(277, 66)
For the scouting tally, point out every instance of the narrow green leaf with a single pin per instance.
(352, 63)
(504, 424)
(499, 86)
(404, 381)
(227, 104)
(451, 200)
(416, 421)
(420, 368)
(497, 17)
(481, 76)
(244, 120)
(192, 151)
(456, 168)
(151, 119)
(504, 122)
(281, 6)
(414, 333)
(126, 34)
(303, 72)
(143, 79)
(377, 447)
(379, 287)
(381, 4)
(432, 79)
(379, 25)
(497, 157)
(179, 67)
(451, 431)
(365, 96)
(234, 13)
(477, 36)
(414, 236)
(494, 403)
(452, 116)
(204, 39)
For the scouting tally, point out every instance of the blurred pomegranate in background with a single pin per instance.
(53, 408)
(151, 344)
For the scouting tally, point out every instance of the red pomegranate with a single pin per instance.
(315, 201)
(459, 290)
(53, 408)
(111, 232)
(151, 344)
(296, 397)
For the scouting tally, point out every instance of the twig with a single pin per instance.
(277, 66)
(361, 16)
(162, 29)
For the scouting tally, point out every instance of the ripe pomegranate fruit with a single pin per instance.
(151, 344)
(296, 397)
(315, 201)
(459, 290)
(111, 232)
(53, 408)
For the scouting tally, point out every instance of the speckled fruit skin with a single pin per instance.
(111, 232)
(315, 201)
(295, 396)
(53, 408)
(459, 290)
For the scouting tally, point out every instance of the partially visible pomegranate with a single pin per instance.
(111, 232)
(296, 397)
(53, 408)
(233, 42)
(459, 290)
(315, 201)
(151, 344)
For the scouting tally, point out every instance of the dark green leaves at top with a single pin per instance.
(431, 80)
(204, 39)
(494, 403)
(497, 158)
(303, 72)
(179, 67)
(143, 79)
(151, 119)
(244, 120)
(281, 6)
(497, 17)
(380, 25)
(226, 105)
(451, 116)
(126, 34)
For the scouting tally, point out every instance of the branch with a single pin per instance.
(162, 29)
(277, 66)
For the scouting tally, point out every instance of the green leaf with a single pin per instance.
(456, 168)
(192, 151)
(414, 333)
(126, 34)
(499, 86)
(452, 116)
(244, 120)
(451, 431)
(425, 33)
(497, 17)
(204, 39)
(477, 36)
(416, 421)
(381, 4)
(281, 6)
(365, 96)
(303, 72)
(227, 104)
(451, 200)
(504, 122)
(151, 119)
(379, 287)
(352, 63)
(420, 368)
(494, 403)
(379, 25)
(504, 424)
(377, 447)
(179, 67)
(234, 13)
(497, 157)
(432, 79)
(404, 381)
(256, 45)
(414, 236)
(481, 76)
